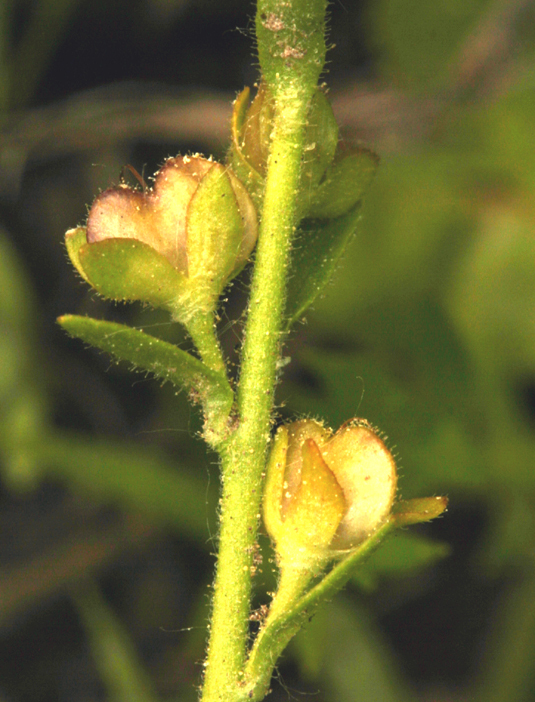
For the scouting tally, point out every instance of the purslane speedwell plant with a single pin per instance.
(291, 190)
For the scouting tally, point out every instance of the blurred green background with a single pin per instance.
(107, 497)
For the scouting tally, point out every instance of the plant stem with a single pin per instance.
(287, 616)
(201, 328)
(244, 457)
(291, 49)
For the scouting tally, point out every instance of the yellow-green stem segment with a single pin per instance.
(201, 328)
(243, 456)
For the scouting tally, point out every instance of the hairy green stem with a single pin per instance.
(291, 49)
(286, 618)
(244, 457)
(201, 328)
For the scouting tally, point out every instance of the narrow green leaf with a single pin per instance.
(317, 249)
(162, 359)
(417, 40)
(116, 659)
(127, 269)
(134, 477)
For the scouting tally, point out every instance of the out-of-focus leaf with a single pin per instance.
(507, 667)
(117, 661)
(16, 300)
(493, 296)
(418, 39)
(512, 530)
(26, 584)
(495, 142)
(403, 554)
(148, 353)
(492, 300)
(341, 651)
(5, 16)
(47, 23)
(410, 233)
(319, 244)
(132, 476)
(392, 384)
(23, 407)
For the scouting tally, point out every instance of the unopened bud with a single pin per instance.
(326, 493)
(198, 222)
(252, 130)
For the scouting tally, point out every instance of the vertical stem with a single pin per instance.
(244, 457)
(291, 47)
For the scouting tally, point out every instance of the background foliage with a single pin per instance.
(107, 498)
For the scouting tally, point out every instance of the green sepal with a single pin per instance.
(321, 142)
(313, 514)
(128, 269)
(274, 485)
(162, 359)
(344, 185)
(215, 232)
(420, 509)
(237, 157)
(252, 126)
(74, 240)
(317, 249)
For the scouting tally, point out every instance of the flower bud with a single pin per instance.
(252, 126)
(333, 177)
(326, 493)
(198, 222)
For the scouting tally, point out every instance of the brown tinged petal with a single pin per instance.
(366, 470)
(157, 218)
(198, 220)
